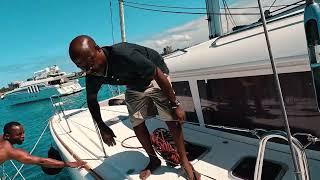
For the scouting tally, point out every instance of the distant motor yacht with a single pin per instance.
(46, 83)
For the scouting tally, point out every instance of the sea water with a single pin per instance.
(34, 117)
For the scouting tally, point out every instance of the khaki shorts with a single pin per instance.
(147, 104)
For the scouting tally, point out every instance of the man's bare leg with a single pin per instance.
(143, 135)
(176, 131)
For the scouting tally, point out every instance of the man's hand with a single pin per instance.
(180, 114)
(107, 135)
(76, 164)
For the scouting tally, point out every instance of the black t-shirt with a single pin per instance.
(128, 64)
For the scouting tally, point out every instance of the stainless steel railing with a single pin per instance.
(303, 169)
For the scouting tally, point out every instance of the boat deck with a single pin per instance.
(225, 149)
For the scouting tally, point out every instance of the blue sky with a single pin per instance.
(36, 33)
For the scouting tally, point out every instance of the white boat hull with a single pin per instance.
(42, 92)
(225, 149)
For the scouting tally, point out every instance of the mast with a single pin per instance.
(122, 28)
(214, 20)
(277, 81)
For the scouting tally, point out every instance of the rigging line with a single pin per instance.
(255, 7)
(194, 13)
(79, 144)
(227, 20)
(234, 22)
(226, 16)
(34, 147)
(293, 4)
(181, 7)
(18, 171)
(76, 157)
(231, 17)
(279, 92)
(153, 5)
(272, 4)
(5, 175)
(111, 18)
(81, 147)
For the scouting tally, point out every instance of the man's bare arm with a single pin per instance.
(164, 84)
(94, 108)
(26, 158)
(166, 87)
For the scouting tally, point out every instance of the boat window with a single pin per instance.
(252, 102)
(183, 93)
(54, 82)
(314, 55)
(22, 91)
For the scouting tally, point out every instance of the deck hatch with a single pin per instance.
(244, 169)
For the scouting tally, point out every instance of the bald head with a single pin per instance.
(89, 57)
(81, 47)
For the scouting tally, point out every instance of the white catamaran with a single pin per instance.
(227, 88)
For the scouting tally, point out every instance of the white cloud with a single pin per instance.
(196, 31)
(182, 36)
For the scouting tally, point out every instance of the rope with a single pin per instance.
(18, 171)
(231, 17)
(182, 7)
(168, 161)
(34, 147)
(123, 144)
(160, 141)
(272, 4)
(184, 12)
(86, 166)
(279, 91)
(4, 174)
(293, 4)
(227, 20)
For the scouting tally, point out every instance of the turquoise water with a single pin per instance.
(34, 117)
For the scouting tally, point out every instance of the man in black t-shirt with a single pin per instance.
(145, 74)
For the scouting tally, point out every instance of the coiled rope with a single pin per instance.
(160, 140)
